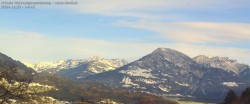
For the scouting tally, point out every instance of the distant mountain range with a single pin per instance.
(168, 72)
(47, 87)
(78, 69)
(164, 72)
(222, 63)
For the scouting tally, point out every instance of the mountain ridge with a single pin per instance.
(9, 63)
(169, 72)
(79, 68)
(225, 63)
(164, 72)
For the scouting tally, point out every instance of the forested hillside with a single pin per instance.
(93, 92)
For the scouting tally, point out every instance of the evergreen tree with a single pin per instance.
(245, 96)
(231, 98)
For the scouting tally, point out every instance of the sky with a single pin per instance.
(127, 29)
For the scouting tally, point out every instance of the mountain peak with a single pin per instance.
(164, 50)
(222, 63)
(171, 55)
(95, 58)
(166, 55)
(204, 56)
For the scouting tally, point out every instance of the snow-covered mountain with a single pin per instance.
(164, 71)
(169, 72)
(59, 65)
(99, 65)
(78, 69)
(91, 67)
(225, 63)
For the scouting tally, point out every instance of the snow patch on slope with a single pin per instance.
(127, 82)
(164, 89)
(138, 72)
(231, 84)
(182, 84)
(147, 81)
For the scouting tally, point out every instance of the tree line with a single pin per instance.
(233, 98)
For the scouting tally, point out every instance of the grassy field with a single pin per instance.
(189, 102)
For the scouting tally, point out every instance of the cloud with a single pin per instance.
(33, 49)
(149, 8)
(195, 32)
(239, 54)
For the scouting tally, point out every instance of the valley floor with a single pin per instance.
(189, 102)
